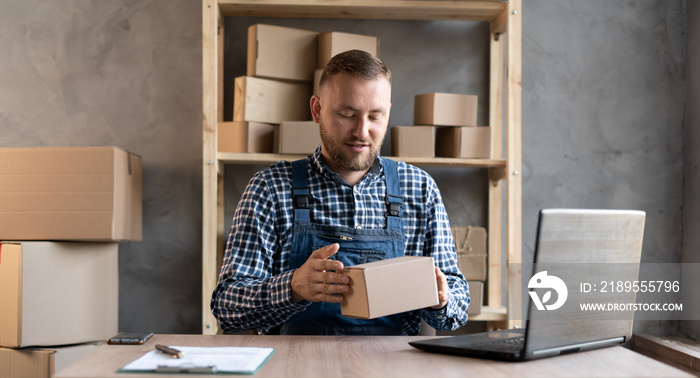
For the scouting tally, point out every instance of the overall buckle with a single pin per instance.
(394, 203)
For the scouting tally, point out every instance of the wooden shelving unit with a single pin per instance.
(505, 19)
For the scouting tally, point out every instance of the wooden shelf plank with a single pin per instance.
(472, 10)
(266, 158)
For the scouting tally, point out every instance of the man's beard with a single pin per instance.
(359, 162)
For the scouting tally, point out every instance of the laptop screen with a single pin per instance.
(570, 289)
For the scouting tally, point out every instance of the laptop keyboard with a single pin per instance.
(502, 345)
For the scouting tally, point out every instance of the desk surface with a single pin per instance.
(373, 356)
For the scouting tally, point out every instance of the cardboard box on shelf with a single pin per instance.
(58, 293)
(470, 243)
(242, 136)
(279, 52)
(463, 142)
(41, 362)
(476, 293)
(413, 141)
(70, 193)
(445, 109)
(391, 286)
(317, 80)
(299, 137)
(270, 101)
(333, 43)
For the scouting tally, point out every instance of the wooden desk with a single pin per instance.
(373, 356)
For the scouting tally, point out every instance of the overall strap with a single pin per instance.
(300, 191)
(394, 200)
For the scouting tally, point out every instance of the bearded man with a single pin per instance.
(299, 223)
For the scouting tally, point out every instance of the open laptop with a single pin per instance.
(589, 252)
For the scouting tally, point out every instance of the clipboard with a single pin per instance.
(202, 360)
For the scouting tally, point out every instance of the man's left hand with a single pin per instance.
(443, 289)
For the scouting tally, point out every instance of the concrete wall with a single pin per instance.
(603, 95)
(691, 175)
(602, 115)
(128, 74)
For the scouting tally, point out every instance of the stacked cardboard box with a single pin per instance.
(270, 101)
(40, 361)
(299, 137)
(463, 142)
(445, 109)
(470, 243)
(331, 44)
(283, 68)
(62, 212)
(277, 52)
(70, 193)
(453, 118)
(413, 141)
(280, 71)
(241, 136)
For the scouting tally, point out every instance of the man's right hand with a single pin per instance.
(314, 280)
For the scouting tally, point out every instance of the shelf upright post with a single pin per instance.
(496, 182)
(212, 112)
(514, 161)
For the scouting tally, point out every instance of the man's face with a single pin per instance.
(353, 115)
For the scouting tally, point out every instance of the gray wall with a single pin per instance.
(602, 116)
(603, 103)
(128, 74)
(691, 174)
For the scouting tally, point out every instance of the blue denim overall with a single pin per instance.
(357, 246)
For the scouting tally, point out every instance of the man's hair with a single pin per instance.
(356, 63)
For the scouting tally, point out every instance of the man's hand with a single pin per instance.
(443, 289)
(313, 281)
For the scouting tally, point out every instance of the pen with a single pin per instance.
(174, 353)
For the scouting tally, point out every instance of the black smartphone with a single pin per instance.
(130, 338)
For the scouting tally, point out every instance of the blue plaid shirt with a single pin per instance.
(254, 288)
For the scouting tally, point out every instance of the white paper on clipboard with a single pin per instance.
(222, 359)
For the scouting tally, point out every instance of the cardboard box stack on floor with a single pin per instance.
(63, 211)
(470, 243)
(283, 65)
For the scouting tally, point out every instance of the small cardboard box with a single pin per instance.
(299, 137)
(333, 43)
(58, 293)
(279, 52)
(445, 109)
(470, 243)
(391, 286)
(241, 136)
(463, 142)
(413, 141)
(70, 193)
(270, 101)
(476, 294)
(41, 362)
